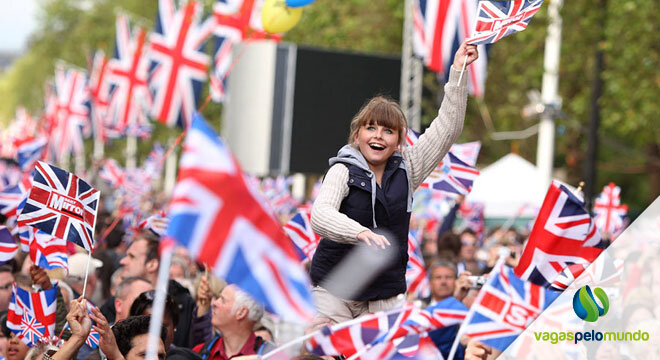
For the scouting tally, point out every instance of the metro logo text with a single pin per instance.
(66, 205)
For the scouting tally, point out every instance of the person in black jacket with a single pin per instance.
(142, 260)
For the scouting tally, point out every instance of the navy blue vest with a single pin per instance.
(392, 218)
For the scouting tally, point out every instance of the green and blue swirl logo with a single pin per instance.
(585, 306)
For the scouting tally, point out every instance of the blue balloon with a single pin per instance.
(298, 3)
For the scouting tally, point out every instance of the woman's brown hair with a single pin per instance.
(383, 111)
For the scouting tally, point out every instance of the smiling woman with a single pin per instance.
(366, 196)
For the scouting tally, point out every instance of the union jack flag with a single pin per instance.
(299, 229)
(99, 94)
(120, 179)
(498, 19)
(609, 211)
(128, 71)
(416, 278)
(467, 152)
(61, 204)
(236, 20)
(32, 330)
(215, 215)
(29, 151)
(70, 113)
(48, 252)
(445, 313)
(93, 339)
(12, 196)
(452, 175)
(564, 234)
(179, 64)
(32, 315)
(439, 28)
(8, 247)
(359, 335)
(504, 308)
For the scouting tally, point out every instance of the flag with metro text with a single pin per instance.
(61, 204)
(224, 224)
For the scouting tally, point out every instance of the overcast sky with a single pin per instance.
(17, 21)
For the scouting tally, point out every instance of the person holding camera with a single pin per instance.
(444, 283)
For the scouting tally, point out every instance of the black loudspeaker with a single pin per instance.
(289, 107)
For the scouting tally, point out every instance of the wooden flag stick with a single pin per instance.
(463, 69)
(89, 259)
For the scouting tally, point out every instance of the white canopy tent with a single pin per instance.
(510, 187)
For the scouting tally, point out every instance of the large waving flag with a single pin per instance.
(128, 70)
(498, 19)
(564, 234)
(61, 204)
(504, 307)
(439, 27)
(179, 64)
(609, 211)
(214, 214)
(31, 316)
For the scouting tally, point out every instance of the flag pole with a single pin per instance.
(89, 259)
(158, 307)
(462, 70)
(289, 344)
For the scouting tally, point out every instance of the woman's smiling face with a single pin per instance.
(377, 143)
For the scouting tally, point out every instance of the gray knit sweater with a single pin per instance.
(420, 160)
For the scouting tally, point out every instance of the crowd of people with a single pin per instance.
(365, 199)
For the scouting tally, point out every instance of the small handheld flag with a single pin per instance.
(498, 19)
(61, 204)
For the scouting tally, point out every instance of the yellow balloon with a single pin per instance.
(277, 17)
